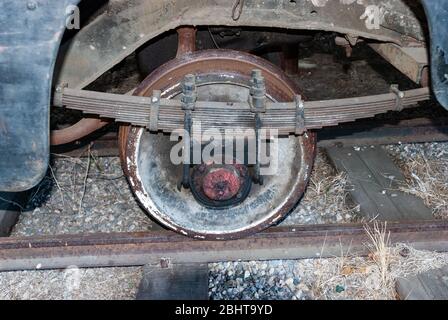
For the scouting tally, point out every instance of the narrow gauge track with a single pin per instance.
(166, 247)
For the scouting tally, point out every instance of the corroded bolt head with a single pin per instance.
(256, 73)
(189, 82)
(257, 77)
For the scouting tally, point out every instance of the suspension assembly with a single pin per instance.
(173, 140)
(222, 90)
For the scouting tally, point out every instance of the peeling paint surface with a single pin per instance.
(29, 43)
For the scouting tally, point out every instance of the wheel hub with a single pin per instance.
(220, 186)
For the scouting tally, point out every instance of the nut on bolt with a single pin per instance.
(257, 92)
(189, 95)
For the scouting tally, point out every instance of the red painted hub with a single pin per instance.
(221, 184)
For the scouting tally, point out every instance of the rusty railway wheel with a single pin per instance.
(221, 75)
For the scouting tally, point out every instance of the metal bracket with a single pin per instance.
(399, 97)
(154, 113)
(188, 100)
(258, 178)
(257, 98)
(300, 115)
(58, 95)
(257, 103)
(189, 95)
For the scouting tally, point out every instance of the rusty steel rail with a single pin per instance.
(136, 249)
(418, 130)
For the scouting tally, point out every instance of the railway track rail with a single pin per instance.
(165, 248)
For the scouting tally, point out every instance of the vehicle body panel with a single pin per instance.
(30, 34)
(437, 13)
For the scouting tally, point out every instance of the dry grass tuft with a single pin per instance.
(331, 188)
(372, 277)
(428, 180)
(380, 253)
(329, 185)
(84, 187)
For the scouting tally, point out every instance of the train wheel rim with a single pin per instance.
(154, 182)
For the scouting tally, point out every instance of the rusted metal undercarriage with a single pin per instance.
(227, 89)
(126, 25)
(123, 26)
